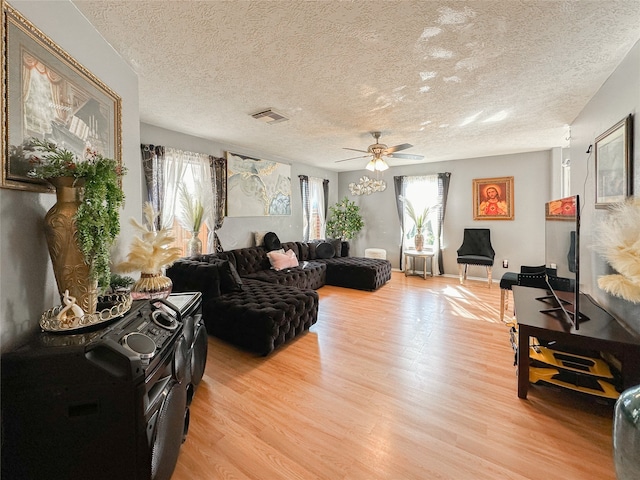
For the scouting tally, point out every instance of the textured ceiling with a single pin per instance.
(457, 79)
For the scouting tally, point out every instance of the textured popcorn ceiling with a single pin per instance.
(456, 79)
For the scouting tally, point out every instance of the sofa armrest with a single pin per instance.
(193, 275)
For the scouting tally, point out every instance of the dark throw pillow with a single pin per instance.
(337, 247)
(325, 250)
(272, 242)
(230, 281)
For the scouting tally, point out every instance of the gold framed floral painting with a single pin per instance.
(48, 95)
(493, 198)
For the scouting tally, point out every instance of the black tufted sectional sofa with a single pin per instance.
(249, 304)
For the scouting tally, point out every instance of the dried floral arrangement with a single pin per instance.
(618, 240)
(194, 207)
(152, 250)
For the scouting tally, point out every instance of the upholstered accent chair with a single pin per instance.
(476, 249)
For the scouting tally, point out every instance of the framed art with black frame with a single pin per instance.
(613, 164)
(48, 95)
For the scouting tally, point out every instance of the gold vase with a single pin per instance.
(69, 266)
(419, 242)
(150, 286)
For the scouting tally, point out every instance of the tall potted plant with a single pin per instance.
(194, 209)
(85, 221)
(345, 221)
(419, 224)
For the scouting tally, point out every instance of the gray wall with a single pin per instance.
(27, 284)
(236, 232)
(520, 241)
(617, 98)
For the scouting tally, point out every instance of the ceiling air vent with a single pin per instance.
(269, 116)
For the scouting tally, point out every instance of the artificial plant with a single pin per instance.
(345, 220)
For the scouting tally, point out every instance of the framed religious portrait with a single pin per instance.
(613, 164)
(493, 198)
(48, 95)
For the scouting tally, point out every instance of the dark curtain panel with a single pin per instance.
(306, 208)
(398, 183)
(219, 181)
(325, 188)
(443, 193)
(152, 160)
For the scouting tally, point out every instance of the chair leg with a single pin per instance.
(489, 276)
(460, 274)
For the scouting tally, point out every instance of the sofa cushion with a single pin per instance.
(272, 242)
(258, 237)
(250, 260)
(307, 275)
(230, 281)
(337, 247)
(325, 250)
(303, 251)
(280, 259)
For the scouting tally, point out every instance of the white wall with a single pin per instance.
(520, 241)
(27, 284)
(237, 232)
(618, 97)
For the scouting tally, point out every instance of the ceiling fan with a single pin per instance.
(379, 150)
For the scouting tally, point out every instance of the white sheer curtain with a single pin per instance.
(422, 192)
(188, 168)
(316, 200)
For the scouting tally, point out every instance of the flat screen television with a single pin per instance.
(562, 260)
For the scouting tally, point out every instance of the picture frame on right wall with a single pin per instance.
(614, 149)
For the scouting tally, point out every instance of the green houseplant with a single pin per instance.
(86, 217)
(345, 221)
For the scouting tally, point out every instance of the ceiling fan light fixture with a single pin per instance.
(371, 166)
(380, 165)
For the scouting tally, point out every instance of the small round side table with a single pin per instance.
(427, 258)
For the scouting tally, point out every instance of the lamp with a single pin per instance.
(377, 164)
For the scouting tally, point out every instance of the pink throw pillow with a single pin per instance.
(280, 261)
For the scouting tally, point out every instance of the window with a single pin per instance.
(422, 193)
(314, 207)
(193, 171)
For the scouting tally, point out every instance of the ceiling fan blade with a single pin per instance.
(352, 158)
(397, 148)
(407, 156)
(354, 149)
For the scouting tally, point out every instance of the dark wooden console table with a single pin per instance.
(601, 332)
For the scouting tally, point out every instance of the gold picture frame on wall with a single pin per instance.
(48, 95)
(493, 198)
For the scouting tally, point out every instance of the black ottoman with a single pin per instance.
(262, 316)
(358, 272)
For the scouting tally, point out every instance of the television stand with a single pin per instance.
(602, 333)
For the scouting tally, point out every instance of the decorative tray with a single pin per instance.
(113, 306)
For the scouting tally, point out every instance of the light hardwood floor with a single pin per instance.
(413, 381)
